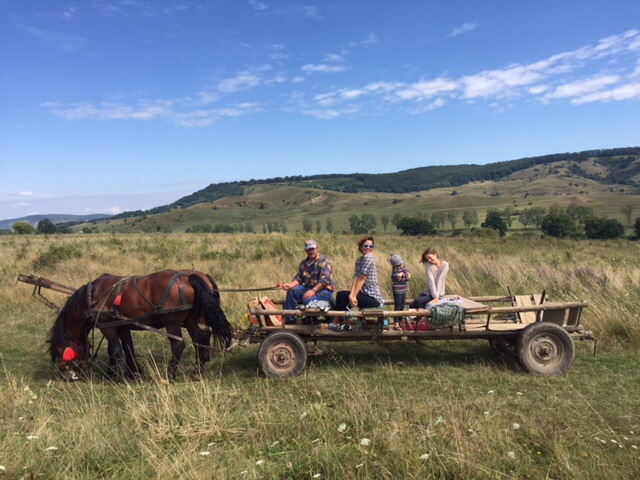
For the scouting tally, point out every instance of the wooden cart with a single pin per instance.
(539, 332)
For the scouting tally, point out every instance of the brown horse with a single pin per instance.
(169, 300)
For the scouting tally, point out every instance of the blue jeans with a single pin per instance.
(294, 297)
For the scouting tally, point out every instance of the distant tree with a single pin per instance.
(46, 226)
(23, 228)
(452, 216)
(495, 221)
(603, 228)
(469, 218)
(579, 213)
(307, 225)
(318, 226)
(364, 224)
(537, 215)
(396, 219)
(438, 219)
(415, 226)
(636, 227)
(283, 227)
(627, 211)
(558, 225)
(384, 220)
(507, 214)
(328, 225)
(64, 229)
(264, 229)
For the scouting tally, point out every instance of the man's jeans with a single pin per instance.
(294, 296)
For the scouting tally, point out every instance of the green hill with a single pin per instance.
(604, 180)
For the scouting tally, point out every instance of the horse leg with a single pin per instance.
(177, 347)
(116, 354)
(201, 339)
(127, 344)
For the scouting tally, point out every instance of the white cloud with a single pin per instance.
(26, 194)
(256, 5)
(462, 29)
(58, 40)
(583, 87)
(242, 81)
(323, 68)
(427, 89)
(623, 92)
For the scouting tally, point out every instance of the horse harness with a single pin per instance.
(120, 320)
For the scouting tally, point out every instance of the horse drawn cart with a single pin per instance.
(540, 333)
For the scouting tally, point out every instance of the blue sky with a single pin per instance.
(114, 105)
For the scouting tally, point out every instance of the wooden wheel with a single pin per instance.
(544, 348)
(282, 354)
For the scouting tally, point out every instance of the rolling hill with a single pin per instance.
(604, 180)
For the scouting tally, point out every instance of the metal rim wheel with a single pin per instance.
(282, 354)
(544, 348)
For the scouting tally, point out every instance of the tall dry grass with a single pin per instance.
(451, 410)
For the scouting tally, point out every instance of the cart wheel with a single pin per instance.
(502, 347)
(282, 354)
(544, 348)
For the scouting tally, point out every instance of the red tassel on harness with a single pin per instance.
(118, 301)
(68, 354)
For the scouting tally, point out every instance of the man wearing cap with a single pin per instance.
(314, 280)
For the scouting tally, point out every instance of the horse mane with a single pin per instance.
(57, 335)
(208, 302)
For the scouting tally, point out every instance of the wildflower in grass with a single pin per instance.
(275, 443)
(360, 465)
(486, 414)
(424, 456)
(32, 437)
(438, 421)
(205, 453)
(365, 442)
(515, 426)
(50, 449)
(260, 462)
(511, 455)
(613, 441)
(315, 441)
(519, 393)
(490, 392)
(302, 415)
(317, 475)
(635, 447)
(342, 427)
(211, 444)
(2, 469)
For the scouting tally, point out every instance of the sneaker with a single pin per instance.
(338, 328)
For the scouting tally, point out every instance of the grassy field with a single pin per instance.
(434, 410)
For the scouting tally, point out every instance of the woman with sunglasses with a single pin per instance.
(365, 289)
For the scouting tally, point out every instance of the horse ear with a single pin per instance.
(68, 354)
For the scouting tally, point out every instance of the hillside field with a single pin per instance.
(263, 204)
(430, 410)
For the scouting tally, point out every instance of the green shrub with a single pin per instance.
(55, 255)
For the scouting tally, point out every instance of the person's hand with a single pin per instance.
(286, 287)
(308, 294)
(353, 300)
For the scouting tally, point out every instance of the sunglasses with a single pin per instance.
(367, 245)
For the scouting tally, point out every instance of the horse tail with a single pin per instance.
(57, 335)
(207, 301)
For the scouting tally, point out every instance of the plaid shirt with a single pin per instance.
(312, 272)
(366, 265)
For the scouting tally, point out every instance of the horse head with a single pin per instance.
(69, 344)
